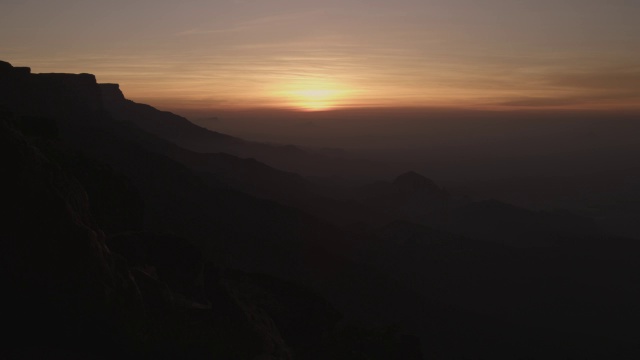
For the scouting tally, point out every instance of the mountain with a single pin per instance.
(182, 132)
(120, 243)
(611, 197)
(164, 124)
(154, 292)
(247, 175)
(411, 197)
(67, 294)
(493, 220)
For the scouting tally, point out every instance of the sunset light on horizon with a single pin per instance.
(308, 55)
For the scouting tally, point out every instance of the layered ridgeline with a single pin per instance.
(184, 133)
(124, 239)
(112, 248)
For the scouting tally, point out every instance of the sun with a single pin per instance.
(316, 99)
(314, 95)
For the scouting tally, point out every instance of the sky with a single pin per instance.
(321, 55)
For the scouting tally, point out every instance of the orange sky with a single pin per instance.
(312, 55)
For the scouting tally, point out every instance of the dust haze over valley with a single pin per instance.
(542, 159)
(451, 135)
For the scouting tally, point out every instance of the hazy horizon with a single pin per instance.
(339, 54)
(540, 131)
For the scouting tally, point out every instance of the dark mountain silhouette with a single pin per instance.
(160, 299)
(493, 220)
(118, 242)
(230, 227)
(164, 124)
(557, 289)
(414, 198)
(182, 132)
(412, 182)
(247, 175)
(68, 295)
(410, 197)
(611, 197)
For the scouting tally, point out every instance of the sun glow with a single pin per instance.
(314, 95)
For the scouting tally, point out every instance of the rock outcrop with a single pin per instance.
(67, 98)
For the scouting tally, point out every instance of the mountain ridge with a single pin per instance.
(188, 135)
(464, 297)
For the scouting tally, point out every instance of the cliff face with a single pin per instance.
(111, 94)
(67, 294)
(59, 279)
(69, 98)
(63, 286)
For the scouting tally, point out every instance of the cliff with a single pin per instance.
(68, 98)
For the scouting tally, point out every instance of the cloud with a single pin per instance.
(620, 79)
(542, 102)
(251, 24)
(213, 31)
(597, 86)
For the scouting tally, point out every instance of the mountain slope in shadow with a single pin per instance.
(182, 132)
(227, 226)
(211, 245)
(69, 293)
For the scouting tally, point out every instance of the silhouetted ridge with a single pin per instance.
(111, 93)
(411, 197)
(230, 227)
(188, 135)
(412, 181)
(67, 98)
(164, 124)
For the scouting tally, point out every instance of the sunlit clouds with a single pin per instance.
(314, 56)
(314, 98)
